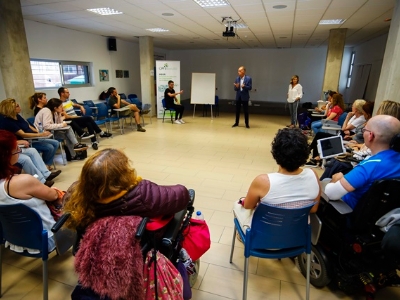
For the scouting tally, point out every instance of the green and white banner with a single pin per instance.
(165, 71)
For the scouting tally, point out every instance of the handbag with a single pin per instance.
(196, 238)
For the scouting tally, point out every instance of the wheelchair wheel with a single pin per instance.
(193, 277)
(320, 270)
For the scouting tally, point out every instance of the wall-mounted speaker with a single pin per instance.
(112, 44)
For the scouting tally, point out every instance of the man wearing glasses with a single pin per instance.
(384, 162)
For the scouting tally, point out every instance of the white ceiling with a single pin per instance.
(194, 27)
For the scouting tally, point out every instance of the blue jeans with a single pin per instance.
(32, 163)
(316, 126)
(293, 112)
(48, 147)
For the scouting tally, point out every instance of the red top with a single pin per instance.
(336, 109)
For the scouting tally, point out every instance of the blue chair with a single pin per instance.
(171, 111)
(31, 121)
(115, 116)
(286, 230)
(334, 127)
(22, 226)
(102, 115)
(123, 96)
(132, 96)
(142, 107)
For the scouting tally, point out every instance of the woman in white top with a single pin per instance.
(293, 98)
(290, 187)
(354, 118)
(52, 118)
(24, 188)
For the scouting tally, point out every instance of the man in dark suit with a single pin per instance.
(242, 87)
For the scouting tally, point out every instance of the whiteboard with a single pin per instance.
(203, 88)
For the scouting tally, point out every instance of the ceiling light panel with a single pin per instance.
(211, 3)
(105, 11)
(332, 22)
(157, 30)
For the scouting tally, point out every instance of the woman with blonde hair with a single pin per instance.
(294, 95)
(37, 101)
(354, 118)
(109, 186)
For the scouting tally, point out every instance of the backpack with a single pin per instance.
(162, 281)
(304, 121)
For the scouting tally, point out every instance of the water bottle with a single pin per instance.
(199, 215)
(40, 128)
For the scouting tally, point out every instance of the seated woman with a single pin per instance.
(118, 192)
(37, 101)
(322, 108)
(354, 118)
(52, 118)
(334, 112)
(290, 187)
(24, 188)
(367, 109)
(360, 151)
(22, 129)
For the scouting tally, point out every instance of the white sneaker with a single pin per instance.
(177, 122)
(182, 122)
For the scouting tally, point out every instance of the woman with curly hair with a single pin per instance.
(290, 187)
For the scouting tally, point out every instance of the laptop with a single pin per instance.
(331, 146)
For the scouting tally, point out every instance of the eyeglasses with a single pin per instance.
(17, 151)
(365, 129)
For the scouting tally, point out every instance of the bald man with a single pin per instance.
(383, 164)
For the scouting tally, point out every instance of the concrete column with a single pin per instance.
(14, 55)
(333, 65)
(389, 80)
(147, 71)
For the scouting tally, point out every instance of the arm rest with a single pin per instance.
(141, 228)
(56, 227)
(342, 207)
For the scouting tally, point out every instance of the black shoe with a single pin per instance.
(247, 126)
(140, 128)
(105, 135)
(80, 147)
(86, 135)
(53, 175)
(235, 125)
(95, 145)
(49, 183)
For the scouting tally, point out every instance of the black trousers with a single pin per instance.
(245, 104)
(85, 122)
(313, 145)
(179, 109)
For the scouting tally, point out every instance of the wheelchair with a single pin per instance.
(167, 239)
(346, 247)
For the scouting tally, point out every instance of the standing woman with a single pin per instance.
(293, 98)
(37, 101)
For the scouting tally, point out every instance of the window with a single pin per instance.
(353, 55)
(53, 74)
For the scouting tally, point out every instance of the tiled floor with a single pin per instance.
(219, 162)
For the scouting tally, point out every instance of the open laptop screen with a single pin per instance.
(330, 146)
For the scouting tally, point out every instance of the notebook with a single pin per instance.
(331, 146)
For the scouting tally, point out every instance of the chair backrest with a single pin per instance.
(23, 226)
(88, 110)
(381, 198)
(163, 103)
(89, 103)
(216, 100)
(277, 228)
(342, 118)
(132, 96)
(123, 96)
(102, 110)
(74, 101)
(31, 121)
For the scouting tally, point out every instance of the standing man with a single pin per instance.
(242, 86)
(115, 101)
(172, 102)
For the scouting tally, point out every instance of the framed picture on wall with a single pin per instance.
(119, 73)
(126, 74)
(104, 75)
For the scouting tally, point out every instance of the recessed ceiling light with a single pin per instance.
(211, 3)
(167, 14)
(332, 22)
(157, 30)
(105, 11)
(279, 6)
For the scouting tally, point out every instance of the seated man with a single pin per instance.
(79, 122)
(116, 102)
(172, 102)
(383, 164)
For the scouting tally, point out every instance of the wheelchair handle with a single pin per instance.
(141, 228)
(56, 227)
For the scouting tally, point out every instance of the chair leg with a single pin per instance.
(45, 281)
(63, 155)
(245, 277)
(163, 116)
(233, 243)
(308, 276)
